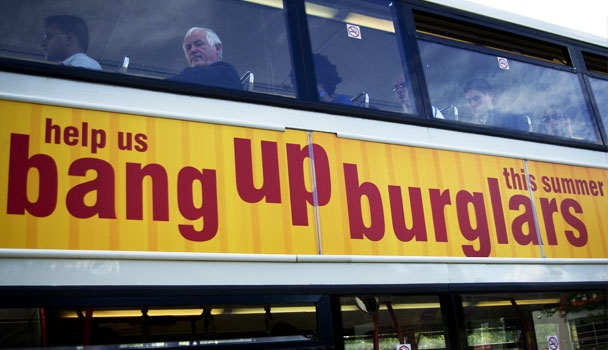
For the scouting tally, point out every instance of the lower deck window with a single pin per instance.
(149, 326)
(565, 320)
(551, 320)
(388, 321)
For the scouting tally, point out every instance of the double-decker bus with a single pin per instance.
(342, 174)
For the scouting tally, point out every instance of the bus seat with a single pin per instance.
(123, 66)
(362, 99)
(247, 81)
(450, 112)
(529, 121)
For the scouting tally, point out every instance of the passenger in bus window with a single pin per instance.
(203, 50)
(328, 80)
(480, 97)
(66, 39)
(556, 123)
(402, 95)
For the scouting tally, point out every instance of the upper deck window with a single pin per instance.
(485, 36)
(151, 33)
(507, 93)
(356, 53)
(600, 92)
(596, 63)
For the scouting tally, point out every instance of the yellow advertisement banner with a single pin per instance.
(407, 201)
(81, 179)
(92, 180)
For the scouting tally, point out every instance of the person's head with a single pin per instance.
(402, 93)
(64, 36)
(556, 123)
(479, 96)
(202, 47)
(326, 74)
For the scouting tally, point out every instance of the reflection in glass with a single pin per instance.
(479, 95)
(537, 320)
(516, 91)
(556, 122)
(150, 326)
(414, 320)
(327, 78)
(600, 92)
(151, 33)
(66, 41)
(359, 39)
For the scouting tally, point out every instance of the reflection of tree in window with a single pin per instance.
(522, 88)
(600, 92)
(587, 311)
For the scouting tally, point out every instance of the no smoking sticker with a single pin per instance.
(503, 63)
(353, 31)
(553, 342)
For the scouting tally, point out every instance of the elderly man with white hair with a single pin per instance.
(203, 50)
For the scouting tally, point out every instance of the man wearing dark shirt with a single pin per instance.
(480, 97)
(203, 50)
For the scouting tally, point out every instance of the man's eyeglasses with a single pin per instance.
(555, 116)
(473, 99)
(48, 36)
(399, 86)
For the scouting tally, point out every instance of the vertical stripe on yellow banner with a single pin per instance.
(348, 242)
(461, 163)
(571, 173)
(364, 150)
(416, 154)
(556, 172)
(222, 197)
(442, 186)
(288, 245)
(35, 133)
(333, 220)
(536, 250)
(151, 159)
(255, 210)
(392, 179)
(75, 153)
(114, 155)
(534, 169)
(581, 199)
(490, 166)
(31, 229)
(601, 219)
(255, 229)
(480, 179)
(514, 248)
(186, 158)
